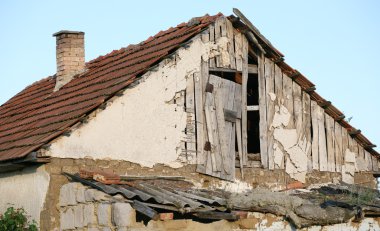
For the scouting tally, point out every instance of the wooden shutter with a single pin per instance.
(222, 107)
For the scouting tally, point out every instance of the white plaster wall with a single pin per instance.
(26, 189)
(144, 125)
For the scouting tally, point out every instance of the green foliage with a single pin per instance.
(16, 220)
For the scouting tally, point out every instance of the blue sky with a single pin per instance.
(334, 43)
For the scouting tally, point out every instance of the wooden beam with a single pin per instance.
(221, 69)
(325, 104)
(295, 75)
(354, 132)
(252, 69)
(253, 108)
(340, 118)
(251, 37)
(310, 89)
(279, 60)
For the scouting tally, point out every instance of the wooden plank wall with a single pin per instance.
(324, 141)
(215, 137)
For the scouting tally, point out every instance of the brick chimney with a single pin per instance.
(70, 56)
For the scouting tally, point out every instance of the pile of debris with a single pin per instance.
(152, 195)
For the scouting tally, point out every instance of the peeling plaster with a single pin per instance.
(349, 168)
(295, 149)
(272, 96)
(281, 116)
(235, 187)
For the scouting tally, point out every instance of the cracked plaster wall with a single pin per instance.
(289, 145)
(25, 189)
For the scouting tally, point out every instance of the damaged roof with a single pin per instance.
(37, 115)
(317, 205)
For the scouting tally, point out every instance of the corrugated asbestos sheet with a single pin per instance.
(173, 195)
(37, 115)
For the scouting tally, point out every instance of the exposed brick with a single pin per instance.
(166, 216)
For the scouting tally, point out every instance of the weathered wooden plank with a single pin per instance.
(375, 164)
(212, 62)
(231, 50)
(213, 132)
(287, 84)
(322, 140)
(270, 98)
(345, 145)
(200, 122)
(252, 69)
(338, 149)
(315, 138)
(278, 89)
(204, 81)
(361, 162)
(218, 34)
(238, 50)
(240, 151)
(368, 159)
(354, 147)
(225, 99)
(253, 108)
(263, 126)
(297, 104)
(237, 108)
(244, 97)
(306, 128)
(190, 124)
(330, 138)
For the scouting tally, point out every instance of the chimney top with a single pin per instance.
(67, 32)
(69, 55)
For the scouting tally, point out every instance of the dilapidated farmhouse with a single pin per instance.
(200, 127)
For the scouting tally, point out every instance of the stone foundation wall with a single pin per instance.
(253, 177)
(83, 208)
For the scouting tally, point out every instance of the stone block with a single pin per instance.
(95, 195)
(67, 195)
(80, 194)
(67, 219)
(78, 216)
(89, 195)
(89, 217)
(104, 214)
(123, 214)
(106, 229)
